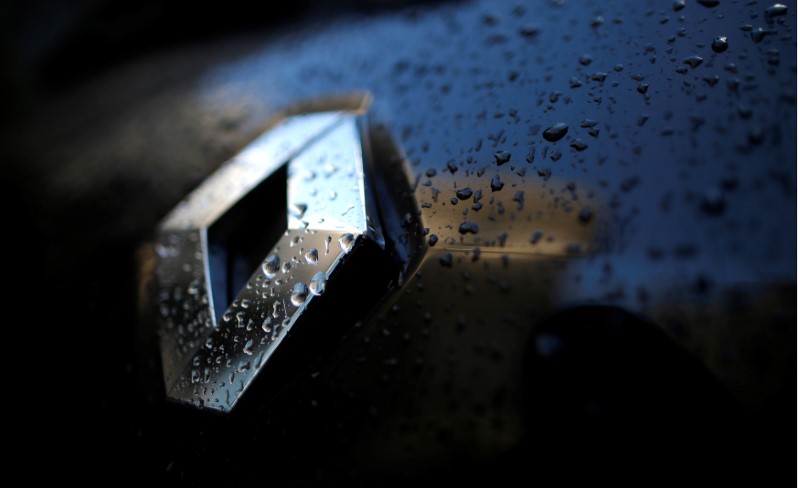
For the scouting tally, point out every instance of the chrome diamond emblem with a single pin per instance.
(240, 260)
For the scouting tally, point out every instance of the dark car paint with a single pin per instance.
(680, 210)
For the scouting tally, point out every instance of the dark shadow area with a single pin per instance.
(608, 393)
(239, 241)
(49, 45)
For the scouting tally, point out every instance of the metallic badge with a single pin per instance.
(239, 263)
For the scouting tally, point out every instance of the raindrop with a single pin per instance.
(248, 347)
(758, 34)
(519, 197)
(775, 11)
(536, 236)
(693, 61)
(501, 158)
(464, 193)
(529, 31)
(720, 44)
(496, 184)
(773, 57)
(433, 239)
(585, 60)
(271, 265)
(446, 260)
(579, 145)
(600, 76)
(299, 294)
(312, 256)
(468, 227)
(318, 282)
(586, 215)
(476, 254)
(555, 132)
(346, 242)
(286, 266)
(642, 88)
(678, 5)
(713, 202)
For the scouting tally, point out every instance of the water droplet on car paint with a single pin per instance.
(720, 44)
(529, 31)
(464, 193)
(433, 239)
(519, 197)
(775, 10)
(600, 76)
(713, 202)
(586, 215)
(502, 157)
(678, 5)
(758, 34)
(468, 227)
(555, 132)
(578, 145)
(446, 260)
(496, 184)
(248, 347)
(693, 61)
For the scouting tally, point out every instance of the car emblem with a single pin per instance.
(239, 264)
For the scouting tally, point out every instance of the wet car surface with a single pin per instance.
(591, 213)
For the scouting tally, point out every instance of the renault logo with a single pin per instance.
(242, 261)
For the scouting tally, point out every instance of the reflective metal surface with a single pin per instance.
(216, 334)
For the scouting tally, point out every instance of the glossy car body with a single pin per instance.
(626, 303)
